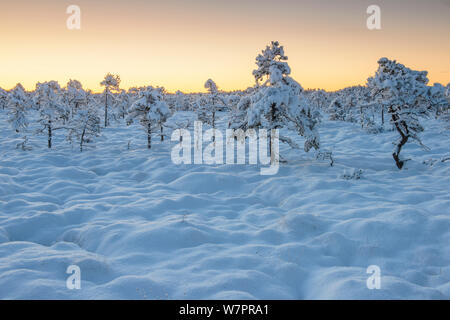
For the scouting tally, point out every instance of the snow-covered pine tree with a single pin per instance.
(404, 91)
(111, 83)
(238, 114)
(436, 99)
(277, 100)
(181, 102)
(84, 126)
(350, 106)
(123, 104)
(74, 95)
(446, 113)
(232, 101)
(162, 113)
(51, 108)
(17, 103)
(151, 111)
(176, 101)
(3, 98)
(367, 109)
(133, 92)
(318, 99)
(336, 110)
(210, 104)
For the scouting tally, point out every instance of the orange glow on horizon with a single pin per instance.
(180, 44)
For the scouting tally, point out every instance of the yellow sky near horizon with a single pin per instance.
(179, 44)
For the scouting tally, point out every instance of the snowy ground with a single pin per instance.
(140, 227)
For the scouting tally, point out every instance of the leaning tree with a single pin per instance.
(405, 93)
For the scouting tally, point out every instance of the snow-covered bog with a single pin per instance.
(122, 220)
(140, 227)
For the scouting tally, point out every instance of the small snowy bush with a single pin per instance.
(353, 174)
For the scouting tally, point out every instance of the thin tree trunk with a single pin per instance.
(361, 117)
(272, 118)
(214, 126)
(49, 134)
(403, 141)
(396, 154)
(106, 108)
(149, 136)
(162, 135)
(82, 139)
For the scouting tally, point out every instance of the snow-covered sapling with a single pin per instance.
(3, 98)
(318, 99)
(436, 99)
(111, 83)
(123, 104)
(238, 114)
(51, 108)
(277, 100)
(84, 126)
(182, 102)
(74, 95)
(17, 103)
(150, 110)
(336, 110)
(209, 105)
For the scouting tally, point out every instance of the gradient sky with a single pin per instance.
(179, 44)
